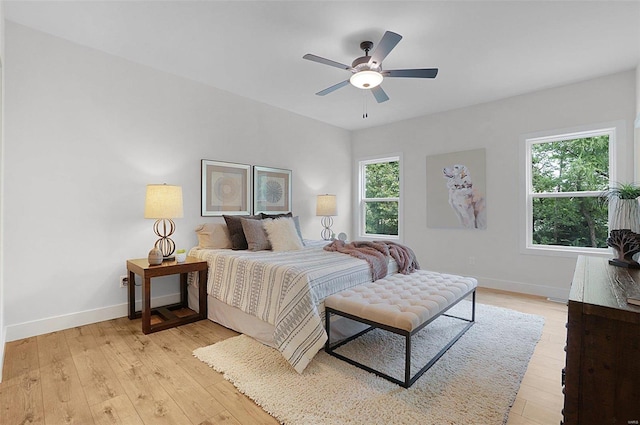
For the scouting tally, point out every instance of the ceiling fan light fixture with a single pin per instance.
(366, 79)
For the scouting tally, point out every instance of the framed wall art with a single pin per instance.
(456, 190)
(271, 190)
(226, 188)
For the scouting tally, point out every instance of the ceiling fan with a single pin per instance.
(367, 72)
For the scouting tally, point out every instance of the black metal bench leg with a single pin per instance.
(407, 361)
(327, 316)
(473, 307)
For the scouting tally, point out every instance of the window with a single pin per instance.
(565, 176)
(380, 188)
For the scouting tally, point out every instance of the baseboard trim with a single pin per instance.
(66, 321)
(3, 333)
(525, 288)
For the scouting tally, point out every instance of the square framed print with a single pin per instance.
(226, 188)
(271, 190)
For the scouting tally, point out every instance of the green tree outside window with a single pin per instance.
(381, 197)
(570, 166)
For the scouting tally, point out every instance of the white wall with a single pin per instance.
(86, 132)
(2, 300)
(637, 124)
(497, 127)
(638, 96)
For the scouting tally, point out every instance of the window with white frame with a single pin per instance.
(379, 196)
(565, 177)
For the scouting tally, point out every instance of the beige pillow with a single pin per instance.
(255, 234)
(282, 234)
(213, 236)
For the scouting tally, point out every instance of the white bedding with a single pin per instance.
(285, 289)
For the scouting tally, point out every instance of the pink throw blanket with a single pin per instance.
(377, 254)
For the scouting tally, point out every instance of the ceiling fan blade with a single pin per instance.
(388, 42)
(379, 94)
(333, 88)
(324, 61)
(411, 73)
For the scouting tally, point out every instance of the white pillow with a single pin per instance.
(213, 236)
(282, 234)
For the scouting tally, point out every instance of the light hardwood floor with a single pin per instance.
(111, 373)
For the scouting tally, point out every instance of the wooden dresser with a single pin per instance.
(602, 374)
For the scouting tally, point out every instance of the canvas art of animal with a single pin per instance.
(467, 202)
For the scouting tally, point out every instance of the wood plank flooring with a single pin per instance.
(111, 373)
(540, 399)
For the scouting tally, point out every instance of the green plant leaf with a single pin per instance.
(623, 191)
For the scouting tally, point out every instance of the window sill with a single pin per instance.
(553, 251)
(378, 238)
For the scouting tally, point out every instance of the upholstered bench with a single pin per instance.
(402, 304)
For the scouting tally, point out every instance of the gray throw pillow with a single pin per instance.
(257, 239)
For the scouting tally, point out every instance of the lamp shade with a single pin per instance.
(163, 201)
(326, 205)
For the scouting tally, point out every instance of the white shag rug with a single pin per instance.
(475, 382)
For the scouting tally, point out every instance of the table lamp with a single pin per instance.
(164, 202)
(326, 207)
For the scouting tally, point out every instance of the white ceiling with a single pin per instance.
(484, 50)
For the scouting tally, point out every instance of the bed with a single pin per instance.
(277, 297)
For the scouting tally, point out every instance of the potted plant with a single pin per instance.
(624, 209)
(181, 255)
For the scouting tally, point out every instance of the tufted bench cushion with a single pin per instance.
(403, 301)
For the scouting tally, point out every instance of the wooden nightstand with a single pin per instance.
(170, 315)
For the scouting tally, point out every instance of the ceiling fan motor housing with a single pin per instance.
(361, 63)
